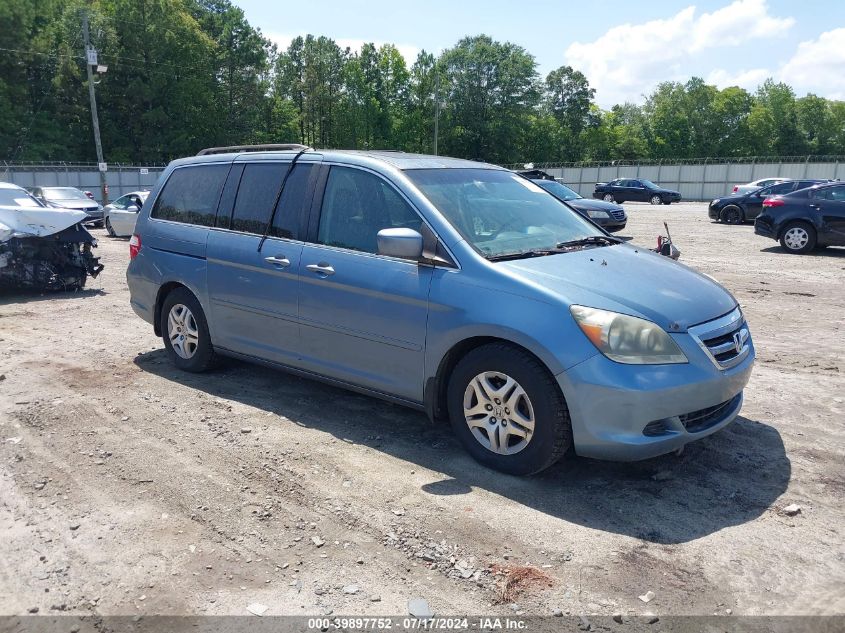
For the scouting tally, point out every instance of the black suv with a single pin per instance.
(741, 207)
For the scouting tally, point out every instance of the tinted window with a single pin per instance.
(257, 194)
(356, 206)
(191, 195)
(292, 201)
(831, 193)
(779, 189)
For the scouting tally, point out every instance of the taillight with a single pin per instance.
(736, 188)
(773, 202)
(134, 246)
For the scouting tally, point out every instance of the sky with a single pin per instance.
(624, 48)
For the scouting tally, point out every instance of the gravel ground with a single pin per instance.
(127, 487)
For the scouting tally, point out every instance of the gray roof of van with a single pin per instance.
(398, 160)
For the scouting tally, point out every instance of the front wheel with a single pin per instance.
(655, 199)
(110, 229)
(185, 332)
(731, 215)
(798, 238)
(507, 410)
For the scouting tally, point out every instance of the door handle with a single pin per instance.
(322, 268)
(281, 262)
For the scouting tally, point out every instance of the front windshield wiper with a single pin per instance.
(605, 240)
(541, 252)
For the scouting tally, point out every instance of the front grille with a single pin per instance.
(726, 340)
(617, 214)
(702, 419)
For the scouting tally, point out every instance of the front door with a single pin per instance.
(254, 293)
(363, 315)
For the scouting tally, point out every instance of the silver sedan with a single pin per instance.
(121, 214)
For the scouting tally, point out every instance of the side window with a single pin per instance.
(256, 196)
(832, 193)
(191, 194)
(779, 189)
(356, 206)
(121, 203)
(291, 203)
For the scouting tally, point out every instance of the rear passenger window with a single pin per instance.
(291, 203)
(191, 194)
(256, 196)
(356, 206)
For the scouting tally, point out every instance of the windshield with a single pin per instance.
(17, 198)
(559, 191)
(648, 184)
(500, 213)
(64, 193)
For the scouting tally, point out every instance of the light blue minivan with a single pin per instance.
(451, 286)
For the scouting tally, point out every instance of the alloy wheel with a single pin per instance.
(499, 413)
(182, 331)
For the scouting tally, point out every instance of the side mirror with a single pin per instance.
(404, 243)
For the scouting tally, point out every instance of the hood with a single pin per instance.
(593, 205)
(662, 190)
(630, 280)
(87, 205)
(35, 222)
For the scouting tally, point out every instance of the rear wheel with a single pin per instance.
(608, 197)
(731, 215)
(109, 228)
(507, 410)
(798, 238)
(185, 332)
(655, 199)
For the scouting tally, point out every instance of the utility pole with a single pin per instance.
(436, 107)
(90, 54)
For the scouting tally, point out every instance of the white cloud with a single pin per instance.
(629, 60)
(818, 66)
(748, 79)
(283, 40)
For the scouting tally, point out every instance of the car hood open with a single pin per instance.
(36, 222)
(629, 280)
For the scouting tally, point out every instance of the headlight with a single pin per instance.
(627, 339)
(716, 201)
(597, 215)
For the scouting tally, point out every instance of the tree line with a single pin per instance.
(187, 74)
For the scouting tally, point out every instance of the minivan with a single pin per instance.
(451, 286)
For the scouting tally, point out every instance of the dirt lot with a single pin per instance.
(127, 487)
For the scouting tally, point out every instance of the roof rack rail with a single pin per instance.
(270, 147)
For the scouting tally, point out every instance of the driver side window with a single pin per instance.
(121, 203)
(356, 206)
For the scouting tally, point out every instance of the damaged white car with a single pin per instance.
(41, 247)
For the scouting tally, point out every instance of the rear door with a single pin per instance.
(363, 315)
(252, 292)
(754, 202)
(830, 204)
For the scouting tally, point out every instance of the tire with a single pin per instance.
(608, 197)
(798, 238)
(655, 199)
(535, 396)
(110, 229)
(731, 214)
(197, 353)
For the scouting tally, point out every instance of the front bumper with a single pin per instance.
(631, 412)
(713, 212)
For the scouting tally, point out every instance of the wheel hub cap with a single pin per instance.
(796, 238)
(182, 331)
(499, 413)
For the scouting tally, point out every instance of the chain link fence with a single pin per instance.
(121, 178)
(695, 178)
